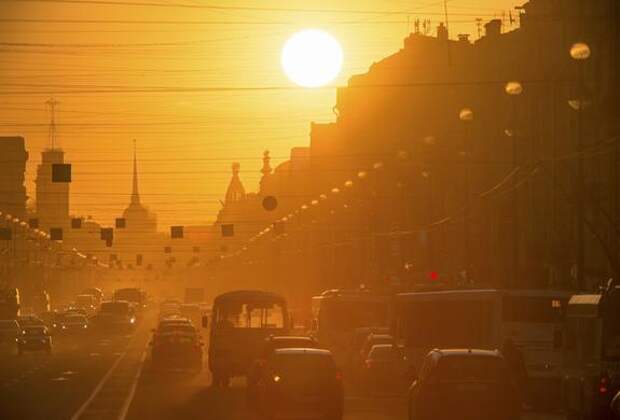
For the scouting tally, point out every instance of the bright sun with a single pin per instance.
(311, 58)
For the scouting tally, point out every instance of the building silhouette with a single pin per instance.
(431, 192)
(12, 190)
(52, 198)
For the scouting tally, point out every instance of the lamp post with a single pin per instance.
(466, 116)
(514, 89)
(580, 52)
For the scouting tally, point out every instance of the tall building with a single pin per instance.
(138, 218)
(52, 197)
(12, 190)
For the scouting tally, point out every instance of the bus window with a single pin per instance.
(448, 324)
(533, 309)
(248, 315)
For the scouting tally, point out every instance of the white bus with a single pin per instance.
(532, 319)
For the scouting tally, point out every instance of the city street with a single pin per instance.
(110, 378)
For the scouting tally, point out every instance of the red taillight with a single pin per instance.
(603, 384)
(339, 376)
(368, 364)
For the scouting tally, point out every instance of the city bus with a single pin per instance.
(592, 355)
(240, 322)
(485, 319)
(338, 314)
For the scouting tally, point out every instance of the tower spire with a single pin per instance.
(135, 195)
(51, 103)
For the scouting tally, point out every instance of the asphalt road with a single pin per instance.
(108, 377)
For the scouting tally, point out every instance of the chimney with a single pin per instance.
(442, 32)
(493, 28)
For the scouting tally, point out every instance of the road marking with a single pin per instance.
(132, 390)
(100, 385)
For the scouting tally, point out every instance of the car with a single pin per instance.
(29, 321)
(176, 349)
(115, 316)
(34, 338)
(300, 382)
(371, 339)
(270, 345)
(385, 368)
(72, 323)
(9, 330)
(464, 383)
(87, 302)
(76, 310)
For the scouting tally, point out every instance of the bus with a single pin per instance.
(485, 319)
(338, 314)
(592, 354)
(240, 322)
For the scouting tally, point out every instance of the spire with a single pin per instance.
(235, 191)
(266, 166)
(135, 195)
(51, 103)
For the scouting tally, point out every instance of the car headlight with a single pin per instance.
(64, 327)
(132, 320)
(54, 325)
(85, 326)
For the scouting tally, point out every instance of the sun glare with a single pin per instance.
(311, 58)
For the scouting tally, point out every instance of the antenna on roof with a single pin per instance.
(51, 103)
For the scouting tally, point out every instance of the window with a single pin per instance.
(533, 309)
(448, 324)
(250, 315)
(470, 368)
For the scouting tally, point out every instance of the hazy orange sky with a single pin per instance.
(102, 62)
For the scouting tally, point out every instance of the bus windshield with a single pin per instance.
(235, 314)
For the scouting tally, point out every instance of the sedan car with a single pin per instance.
(385, 368)
(300, 383)
(35, 338)
(9, 330)
(175, 350)
(270, 345)
(464, 384)
(72, 323)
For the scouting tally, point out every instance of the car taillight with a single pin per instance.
(368, 363)
(603, 385)
(339, 376)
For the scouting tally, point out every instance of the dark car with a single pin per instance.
(115, 316)
(371, 340)
(35, 338)
(464, 384)
(300, 383)
(385, 368)
(177, 349)
(29, 321)
(9, 330)
(270, 345)
(71, 324)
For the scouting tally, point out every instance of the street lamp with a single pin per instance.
(580, 52)
(466, 115)
(514, 89)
